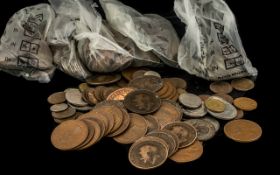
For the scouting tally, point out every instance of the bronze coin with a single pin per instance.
(89, 96)
(244, 131)
(185, 133)
(103, 79)
(98, 93)
(205, 130)
(124, 125)
(164, 89)
(204, 97)
(108, 91)
(152, 123)
(120, 94)
(142, 101)
(139, 73)
(167, 113)
(56, 98)
(148, 153)
(221, 87)
(240, 114)
(127, 73)
(69, 112)
(177, 82)
(181, 91)
(245, 103)
(242, 84)
(136, 129)
(69, 134)
(170, 91)
(151, 83)
(89, 137)
(83, 87)
(188, 154)
(226, 97)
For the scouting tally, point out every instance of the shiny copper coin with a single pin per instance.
(142, 101)
(56, 98)
(148, 153)
(242, 84)
(103, 79)
(188, 154)
(221, 87)
(185, 133)
(245, 103)
(120, 94)
(151, 83)
(69, 134)
(243, 130)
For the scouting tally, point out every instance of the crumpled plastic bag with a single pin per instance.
(23, 49)
(211, 47)
(150, 32)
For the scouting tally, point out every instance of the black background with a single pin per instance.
(26, 123)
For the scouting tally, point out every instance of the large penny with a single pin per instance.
(56, 98)
(242, 84)
(245, 104)
(221, 87)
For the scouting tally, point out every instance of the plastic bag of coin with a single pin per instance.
(211, 47)
(23, 49)
(150, 32)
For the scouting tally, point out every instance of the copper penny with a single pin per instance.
(69, 112)
(89, 96)
(124, 125)
(56, 98)
(142, 101)
(181, 91)
(103, 79)
(120, 94)
(164, 89)
(177, 82)
(221, 87)
(188, 154)
(69, 134)
(243, 130)
(139, 73)
(151, 83)
(127, 73)
(245, 103)
(152, 123)
(242, 84)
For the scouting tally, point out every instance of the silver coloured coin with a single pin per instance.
(196, 113)
(229, 113)
(153, 73)
(214, 122)
(59, 107)
(74, 96)
(190, 100)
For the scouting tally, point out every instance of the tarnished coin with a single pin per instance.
(69, 134)
(215, 104)
(190, 100)
(153, 73)
(74, 96)
(151, 83)
(242, 84)
(69, 112)
(83, 87)
(136, 129)
(120, 94)
(185, 133)
(139, 73)
(226, 97)
(164, 89)
(89, 137)
(152, 123)
(177, 82)
(240, 114)
(56, 98)
(221, 87)
(148, 153)
(124, 125)
(59, 107)
(169, 138)
(245, 103)
(188, 154)
(181, 91)
(127, 73)
(205, 130)
(103, 79)
(171, 90)
(229, 113)
(81, 108)
(167, 113)
(214, 122)
(243, 130)
(196, 113)
(98, 93)
(89, 96)
(142, 101)
(204, 97)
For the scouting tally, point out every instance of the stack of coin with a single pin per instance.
(156, 115)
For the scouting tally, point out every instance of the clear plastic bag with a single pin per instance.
(23, 49)
(211, 47)
(150, 32)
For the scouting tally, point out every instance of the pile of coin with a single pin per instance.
(158, 116)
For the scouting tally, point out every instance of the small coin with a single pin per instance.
(167, 113)
(226, 97)
(229, 113)
(185, 133)
(215, 104)
(148, 153)
(139, 73)
(190, 100)
(89, 96)
(74, 96)
(153, 73)
(221, 87)
(243, 130)
(188, 154)
(242, 84)
(69, 112)
(127, 73)
(181, 91)
(152, 123)
(245, 103)
(196, 113)
(214, 122)
(240, 114)
(204, 97)
(177, 82)
(142, 101)
(120, 94)
(59, 107)
(136, 129)
(151, 83)
(205, 130)
(83, 87)
(171, 90)
(69, 134)
(56, 98)
(103, 79)
(164, 89)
